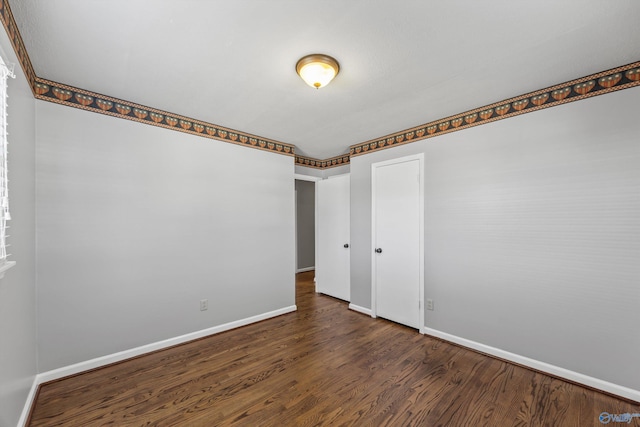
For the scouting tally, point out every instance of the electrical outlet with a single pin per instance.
(204, 304)
(429, 304)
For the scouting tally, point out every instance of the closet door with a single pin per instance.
(332, 253)
(397, 240)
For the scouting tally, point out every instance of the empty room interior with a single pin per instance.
(440, 227)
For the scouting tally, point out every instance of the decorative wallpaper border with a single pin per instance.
(16, 40)
(596, 84)
(332, 162)
(585, 87)
(90, 101)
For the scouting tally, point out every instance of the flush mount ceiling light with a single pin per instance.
(317, 70)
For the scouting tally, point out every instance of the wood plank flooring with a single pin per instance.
(322, 365)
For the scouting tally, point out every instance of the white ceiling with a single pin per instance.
(403, 63)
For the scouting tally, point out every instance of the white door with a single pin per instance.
(397, 238)
(332, 254)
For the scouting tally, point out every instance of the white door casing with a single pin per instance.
(333, 253)
(397, 220)
(314, 179)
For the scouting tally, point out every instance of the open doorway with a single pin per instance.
(305, 200)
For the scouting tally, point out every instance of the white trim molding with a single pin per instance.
(302, 270)
(22, 421)
(537, 365)
(359, 309)
(99, 362)
(337, 175)
(302, 177)
(138, 351)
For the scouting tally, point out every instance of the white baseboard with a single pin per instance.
(302, 270)
(29, 403)
(128, 354)
(557, 371)
(359, 309)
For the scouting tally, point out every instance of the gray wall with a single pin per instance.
(305, 223)
(337, 170)
(303, 170)
(17, 289)
(322, 173)
(532, 234)
(137, 224)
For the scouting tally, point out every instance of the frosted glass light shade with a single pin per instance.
(317, 70)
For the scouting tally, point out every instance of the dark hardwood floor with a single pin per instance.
(322, 365)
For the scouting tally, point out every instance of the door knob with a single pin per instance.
(378, 250)
(346, 245)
